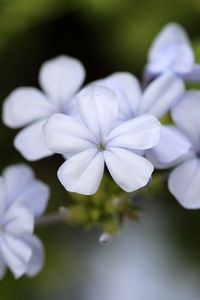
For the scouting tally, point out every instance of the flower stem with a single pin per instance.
(53, 218)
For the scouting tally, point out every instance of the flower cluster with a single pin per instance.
(114, 122)
(23, 199)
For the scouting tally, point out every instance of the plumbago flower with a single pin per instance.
(22, 199)
(184, 180)
(96, 140)
(157, 99)
(172, 51)
(60, 78)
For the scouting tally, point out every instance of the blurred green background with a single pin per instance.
(107, 36)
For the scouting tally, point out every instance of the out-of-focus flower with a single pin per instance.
(157, 99)
(172, 51)
(60, 79)
(185, 178)
(96, 140)
(22, 199)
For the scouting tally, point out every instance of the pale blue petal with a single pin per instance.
(60, 78)
(184, 184)
(137, 134)
(82, 173)
(160, 96)
(130, 171)
(98, 109)
(171, 146)
(186, 114)
(30, 142)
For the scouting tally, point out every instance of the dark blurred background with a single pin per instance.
(155, 259)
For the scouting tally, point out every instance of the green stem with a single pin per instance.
(53, 218)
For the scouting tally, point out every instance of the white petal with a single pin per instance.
(22, 188)
(30, 142)
(98, 109)
(171, 50)
(186, 114)
(184, 184)
(37, 258)
(138, 134)
(16, 254)
(65, 135)
(16, 178)
(35, 196)
(171, 146)
(171, 33)
(83, 172)
(161, 94)
(177, 59)
(194, 75)
(61, 77)
(129, 170)
(24, 106)
(2, 266)
(18, 219)
(128, 91)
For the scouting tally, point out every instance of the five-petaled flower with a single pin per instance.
(97, 139)
(60, 78)
(172, 51)
(22, 199)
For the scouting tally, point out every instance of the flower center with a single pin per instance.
(101, 146)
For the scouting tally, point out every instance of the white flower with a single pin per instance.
(97, 140)
(157, 99)
(172, 51)
(22, 198)
(184, 180)
(60, 79)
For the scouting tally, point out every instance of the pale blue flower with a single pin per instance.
(96, 140)
(23, 198)
(60, 78)
(172, 51)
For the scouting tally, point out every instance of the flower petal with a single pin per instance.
(98, 109)
(161, 95)
(23, 188)
(137, 134)
(61, 77)
(128, 91)
(171, 51)
(65, 135)
(129, 170)
(16, 178)
(18, 219)
(171, 146)
(37, 258)
(30, 142)
(16, 254)
(35, 196)
(82, 173)
(24, 106)
(184, 184)
(194, 75)
(186, 114)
